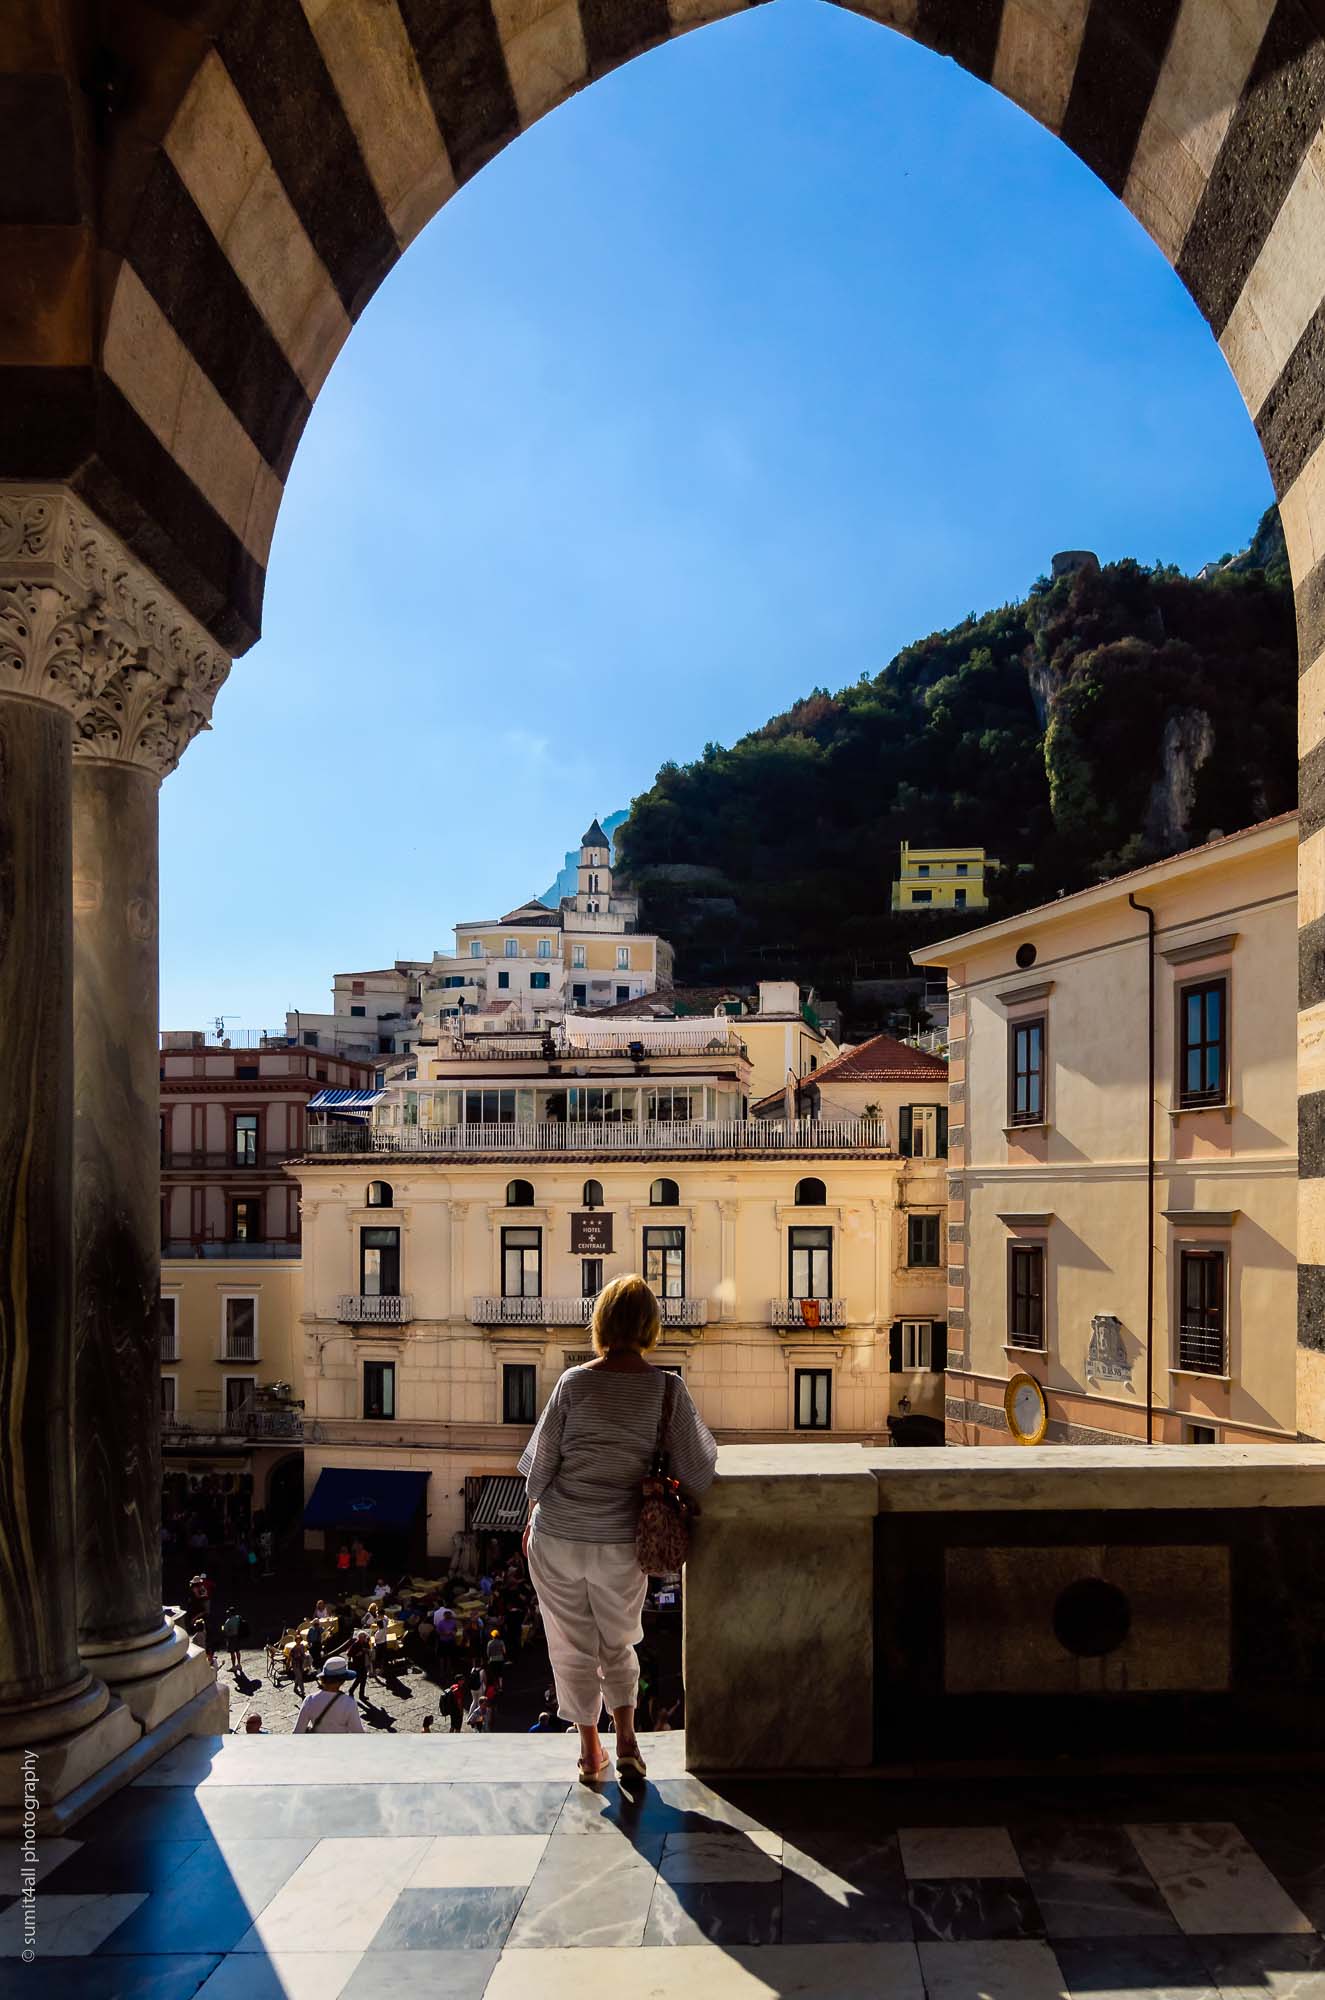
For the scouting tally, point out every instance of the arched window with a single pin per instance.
(519, 1194)
(593, 1194)
(810, 1194)
(380, 1195)
(664, 1194)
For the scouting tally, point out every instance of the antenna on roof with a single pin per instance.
(221, 1020)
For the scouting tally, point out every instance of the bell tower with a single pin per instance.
(593, 887)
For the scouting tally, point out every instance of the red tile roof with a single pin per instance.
(882, 1059)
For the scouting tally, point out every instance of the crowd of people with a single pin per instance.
(459, 1634)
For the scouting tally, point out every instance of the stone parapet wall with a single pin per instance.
(1007, 1608)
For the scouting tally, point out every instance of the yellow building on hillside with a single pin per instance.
(1123, 1157)
(942, 878)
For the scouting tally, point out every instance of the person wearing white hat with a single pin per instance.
(332, 1710)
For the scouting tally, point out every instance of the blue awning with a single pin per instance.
(344, 1100)
(344, 1498)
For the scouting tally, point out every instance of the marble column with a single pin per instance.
(97, 663)
(45, 1691)
(122, 1630)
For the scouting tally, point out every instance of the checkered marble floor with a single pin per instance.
(364, 1868)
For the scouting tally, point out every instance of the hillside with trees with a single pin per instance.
(1114, 715)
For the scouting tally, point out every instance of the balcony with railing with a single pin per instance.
(169, 1348)
(247, 1421)
(543, 1311)
(586, 1137)
(798, 1315)
(178, 1249)
(225, 1160)
(240, 1347)
(374, 1309)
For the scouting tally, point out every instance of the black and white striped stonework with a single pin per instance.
(199, 216)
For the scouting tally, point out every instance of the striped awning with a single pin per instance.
(502, 1503)
(345, 1100)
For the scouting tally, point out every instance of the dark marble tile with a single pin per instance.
(163, 1976)
(440, 1975)
(584, 1895)
(728, 1913)
(965, 1911)
(106, 1867)
(1252, 1968)
(210, 1901)
(1089, 1881)
(448, 1920)
(840, 1887)
(1136, 1968)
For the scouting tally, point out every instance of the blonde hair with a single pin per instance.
(626, 1315)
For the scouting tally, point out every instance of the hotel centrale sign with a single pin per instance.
(591, 1233)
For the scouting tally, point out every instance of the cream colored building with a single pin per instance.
(536, 964)
(1055, 1105)
(452, 1252)
(232, 1365)
(942, 878)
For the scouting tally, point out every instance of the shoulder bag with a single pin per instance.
(662, 1535)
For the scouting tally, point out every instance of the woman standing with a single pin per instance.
(584, 1467)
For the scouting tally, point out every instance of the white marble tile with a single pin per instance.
(285, 1975)
(706, 1972)
(1213, 1881)
(722, 1857)
(67, 1926)
(479, 1861)
(338, 1899)
(49, 1854)
(379, 1759)
(1022, 1971)
(931, 1853)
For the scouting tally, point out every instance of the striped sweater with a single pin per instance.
(593, 1444)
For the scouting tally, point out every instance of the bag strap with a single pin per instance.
(658, 1470)
(322, 1714)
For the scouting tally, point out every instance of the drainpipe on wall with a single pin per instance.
(1149, 915)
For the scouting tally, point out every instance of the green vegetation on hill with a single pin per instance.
(1112, 716)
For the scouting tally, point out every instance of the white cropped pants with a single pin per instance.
(591, 1595)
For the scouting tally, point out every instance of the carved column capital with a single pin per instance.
(84, 626)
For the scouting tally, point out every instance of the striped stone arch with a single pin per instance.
(217, 194)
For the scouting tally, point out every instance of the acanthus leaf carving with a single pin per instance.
(83, 625)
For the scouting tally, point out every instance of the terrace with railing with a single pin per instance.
(589, 1137)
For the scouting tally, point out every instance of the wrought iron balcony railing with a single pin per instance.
(181, 1249)
(802, 1313)
(545, 1311)
(381, 1309)
(242, 1423)
(1201, 1349)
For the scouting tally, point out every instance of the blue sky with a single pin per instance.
(780, 347)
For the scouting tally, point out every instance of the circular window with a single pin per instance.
(1026, 955)
(1092, 1618)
